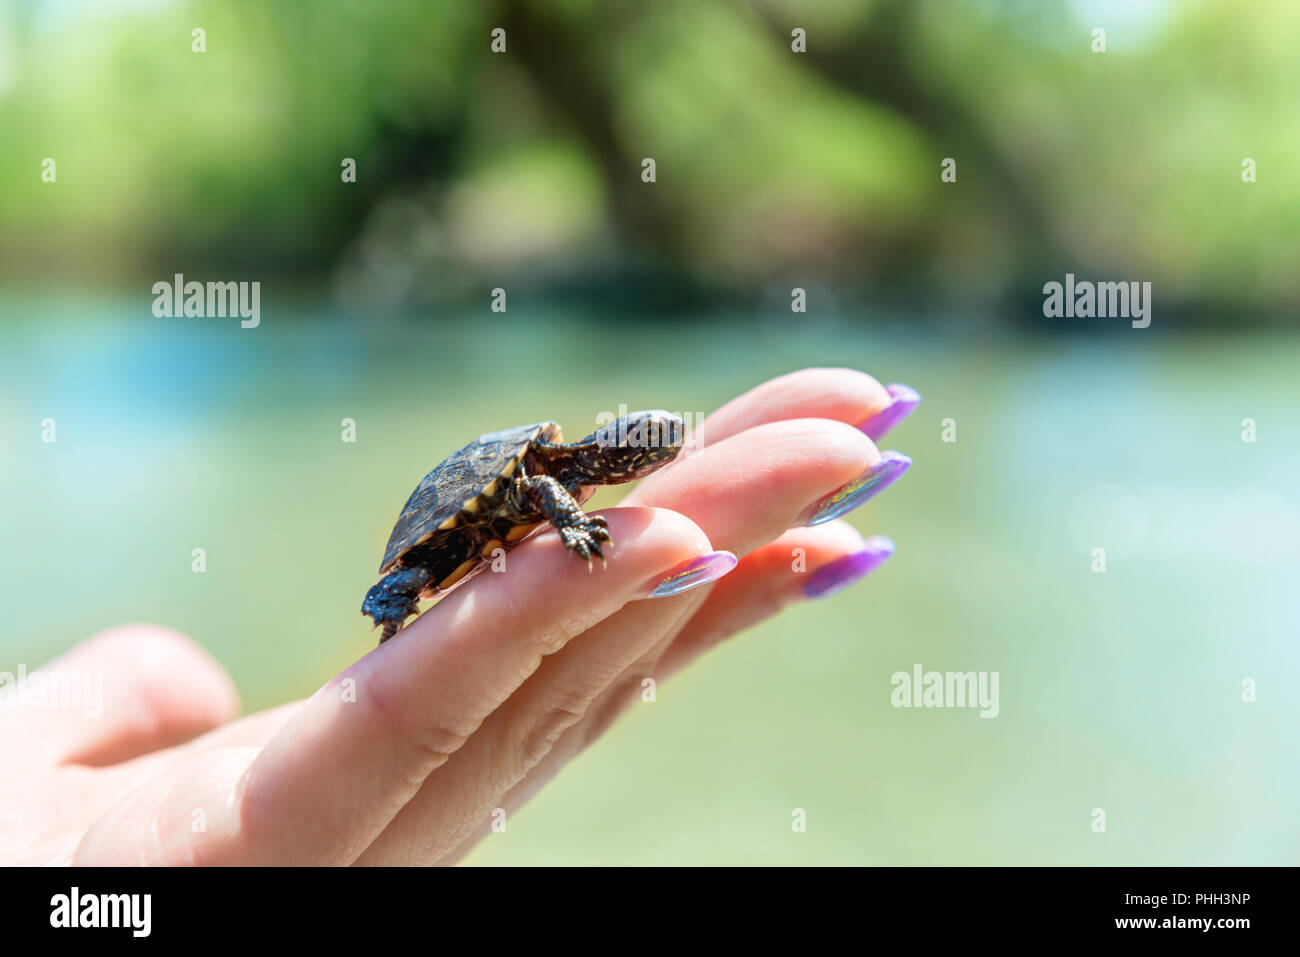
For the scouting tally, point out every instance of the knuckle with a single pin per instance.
(606, 712)
(545, 729)
(433, 737)
(561, 630)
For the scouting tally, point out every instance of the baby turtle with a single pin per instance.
(500, 488)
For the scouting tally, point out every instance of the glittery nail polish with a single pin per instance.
(843, 572)
(691, 574)
(905, 400)
(870, 483)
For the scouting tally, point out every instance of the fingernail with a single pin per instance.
(691, 574)
(870, 483)
(843, 572)
(905, 400)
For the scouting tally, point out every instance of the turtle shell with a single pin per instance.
(452, 495)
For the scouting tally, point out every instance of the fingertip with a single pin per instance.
(662, 534)
(160, 656)
(158, 688)
(653, 544)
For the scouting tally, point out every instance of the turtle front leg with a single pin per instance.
(393, 599)
(544, 496)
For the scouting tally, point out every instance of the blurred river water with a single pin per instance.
(1120, 690)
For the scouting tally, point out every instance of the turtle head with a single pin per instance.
(628, 448)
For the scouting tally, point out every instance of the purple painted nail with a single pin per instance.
(905, 400)
(691, 574)
(870, 483)
(843, 572)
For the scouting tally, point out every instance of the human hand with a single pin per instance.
(403, 758)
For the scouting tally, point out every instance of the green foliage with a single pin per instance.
(825, 164)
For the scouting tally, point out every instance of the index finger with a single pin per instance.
(360, 748)
(844, 395)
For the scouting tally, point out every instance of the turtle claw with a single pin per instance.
(584, 539)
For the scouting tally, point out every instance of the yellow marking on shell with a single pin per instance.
(470, 505)
(509, 470)
(519, 531)
(449, 523)
(458, 574)
(490, 547)
(427, 536)
(490, 488)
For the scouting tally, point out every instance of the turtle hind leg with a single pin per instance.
(393, 599)
(581, 533)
